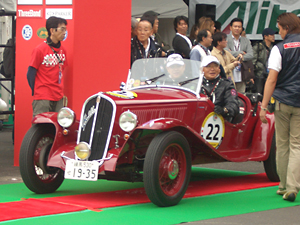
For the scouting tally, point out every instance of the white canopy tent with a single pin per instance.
(8, 5)
(168, 10)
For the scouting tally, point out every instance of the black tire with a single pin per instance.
(164, 184)
(39, 137)
(270, 163)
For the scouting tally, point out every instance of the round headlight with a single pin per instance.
(65, 117)
(82, 150)
(127, 121)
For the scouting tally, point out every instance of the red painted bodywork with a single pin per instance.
(160, 109)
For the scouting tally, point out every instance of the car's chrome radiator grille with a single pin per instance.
(96, 132)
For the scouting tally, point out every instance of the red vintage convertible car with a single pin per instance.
(152, 130)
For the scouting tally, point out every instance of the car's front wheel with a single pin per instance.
(167, 168)
(270, 163)
(34, 153)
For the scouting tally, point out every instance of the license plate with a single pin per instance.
(81, 170)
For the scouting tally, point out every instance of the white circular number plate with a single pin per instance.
(213, 129)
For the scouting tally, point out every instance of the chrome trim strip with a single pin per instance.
(101, 95)
(111, 125)
(63, 156)
(94, 122)
(100, 161)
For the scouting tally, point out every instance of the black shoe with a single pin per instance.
(290, 196)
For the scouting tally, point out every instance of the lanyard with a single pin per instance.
(237, 48)
(206, 51)
(212, 91)
(55, 52)
(140, 50)
(59, 64)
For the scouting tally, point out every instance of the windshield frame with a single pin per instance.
(129, 85)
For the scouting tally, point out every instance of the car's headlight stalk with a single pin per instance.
(128, 121)
(65, 117)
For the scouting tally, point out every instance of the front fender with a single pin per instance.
(169, 124)
(262, 139)
(162, 124)
(62, 142)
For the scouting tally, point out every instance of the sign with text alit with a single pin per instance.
(257, 15)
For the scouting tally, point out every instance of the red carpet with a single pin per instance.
(95, 201)
(32, 208)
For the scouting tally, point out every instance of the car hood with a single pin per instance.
(151, 95)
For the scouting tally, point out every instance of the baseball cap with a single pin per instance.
(151, 13)
(268, 31)
(208, 60)
(174, 59)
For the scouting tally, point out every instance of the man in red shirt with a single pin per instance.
(45, 71)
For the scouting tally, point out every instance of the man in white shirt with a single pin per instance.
(204, 38)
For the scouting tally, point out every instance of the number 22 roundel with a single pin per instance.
(213, 129)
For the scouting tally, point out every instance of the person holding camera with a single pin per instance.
(236, 45)
(227, 60)
(261, 52)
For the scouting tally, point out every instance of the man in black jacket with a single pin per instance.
(142, 46)
(261, 52)
(155, 35)
(221, 91)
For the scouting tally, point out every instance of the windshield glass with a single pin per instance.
(160, 72)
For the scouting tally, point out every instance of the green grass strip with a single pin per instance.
(14, 192)
(188, 210)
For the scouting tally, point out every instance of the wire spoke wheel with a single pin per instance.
(167, 168)
(34, 153)
(172, 169)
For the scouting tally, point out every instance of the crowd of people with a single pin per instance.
(276, 75)
(206, 39)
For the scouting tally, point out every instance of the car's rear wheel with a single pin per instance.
(270, 163)
(34, 153)
(167, 168)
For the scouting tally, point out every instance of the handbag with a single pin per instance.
(247, 70)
